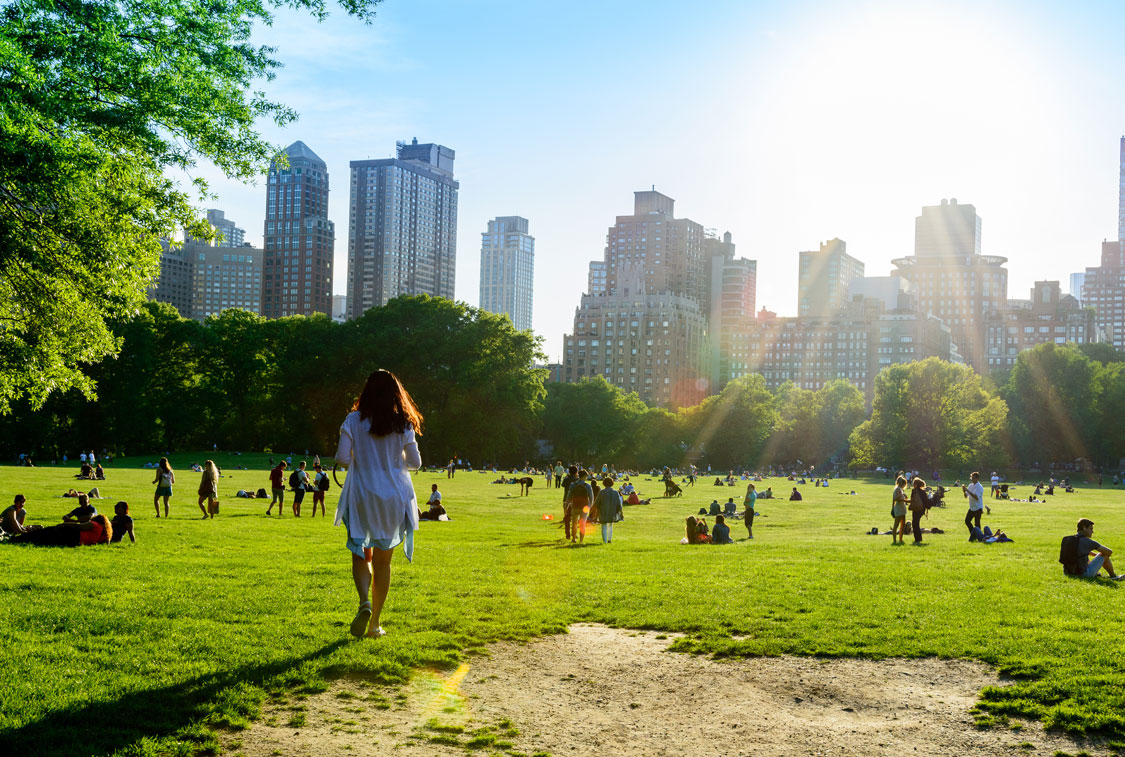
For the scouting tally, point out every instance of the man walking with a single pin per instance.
(975, 492)
(570, 478)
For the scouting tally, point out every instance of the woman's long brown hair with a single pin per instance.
(386, 403)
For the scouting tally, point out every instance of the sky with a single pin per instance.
(785, 123)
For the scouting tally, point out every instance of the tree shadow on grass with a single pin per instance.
(122, 725)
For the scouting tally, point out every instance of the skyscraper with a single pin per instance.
(299, 238)
(1121, 196)
(952, 279)
(402, 233)
(507, 269)
(822, 278)
(729, 304)
(647, 332)
(229, 234)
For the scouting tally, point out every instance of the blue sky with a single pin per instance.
(786, 123)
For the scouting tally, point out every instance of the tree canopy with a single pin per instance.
(99, 101)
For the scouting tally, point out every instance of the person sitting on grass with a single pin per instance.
(12, 518)
(99, 472)
(83, 512)
(720, 534)
(1080, 555)
(122, 524)
(694, 536)
(795, 496)
(715, 509)
(435, 508)
(96, 530)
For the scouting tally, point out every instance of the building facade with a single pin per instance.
(402, 230)
(1049, 317)
(299, 240)
(1103, 289)
(174, 284)
(730, 302)
(228, 233)
(225, 277)
(647, 332)
(823, 277)
(952, 280)
(596, 277)
(854, 343)
(507, 269)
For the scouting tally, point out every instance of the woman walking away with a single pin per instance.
(898, 511)
(919, 504)
(607, 509)
(164, 480)
(377, 504)
(209, 489)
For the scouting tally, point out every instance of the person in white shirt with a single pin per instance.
(995, 484)
(975, 492)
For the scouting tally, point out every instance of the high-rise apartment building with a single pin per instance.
(1103, 289)
(402, 230)
(951, 279)
(822, 279)
(596, 277)
(299, 238)
(228, 233)
(729, 304)
(647, 333)
(1121, 196)
(174, 284)
(224, 277)
(1049, 317)
(854, 343)
(507, 269)
(1077, 281)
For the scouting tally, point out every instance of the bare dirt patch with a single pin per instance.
(601, 691)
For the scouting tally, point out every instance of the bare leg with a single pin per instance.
(166, 506)
(380, 584)
(1108, 565)
(202, 509)
(156, 504)
(361, 574)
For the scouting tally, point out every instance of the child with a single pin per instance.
(122, 523)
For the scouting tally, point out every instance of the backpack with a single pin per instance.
(579, 492)
(1069, 556)
(324, 484)
(294, 480)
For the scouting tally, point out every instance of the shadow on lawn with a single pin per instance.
(104, 728)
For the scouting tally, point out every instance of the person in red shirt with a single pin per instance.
(277, 482)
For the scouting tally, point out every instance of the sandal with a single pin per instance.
(362, 618)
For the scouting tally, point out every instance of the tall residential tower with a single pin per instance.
(507, 268)
(299, 238)
(822, 279)
(402, 234)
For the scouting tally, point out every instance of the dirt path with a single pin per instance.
(604, 691)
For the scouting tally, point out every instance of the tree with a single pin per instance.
(1052, 393)
(98, 102)
(733, 427)
(842, 408)
(931, 414)
(592, 420)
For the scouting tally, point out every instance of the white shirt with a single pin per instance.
(995, 480)
(976, 496)
(378, 493)
(435, 496)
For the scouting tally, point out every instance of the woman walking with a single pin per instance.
(898, 511)
(164, 480)
(607, 509)
(209, 489)
(377, 504)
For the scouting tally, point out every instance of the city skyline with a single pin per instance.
(795, 97)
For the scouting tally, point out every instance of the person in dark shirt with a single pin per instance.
(795, 496)
(570, 477)
(720, 534)
(122, 523)
(84, 512)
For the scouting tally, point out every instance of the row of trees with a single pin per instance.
(247, 383)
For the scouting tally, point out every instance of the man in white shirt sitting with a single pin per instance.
(436, 510)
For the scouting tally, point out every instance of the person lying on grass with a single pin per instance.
(1080, 555)
(95, 530)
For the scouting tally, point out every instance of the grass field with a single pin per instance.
(148, 648)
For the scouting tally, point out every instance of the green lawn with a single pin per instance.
(146, 648)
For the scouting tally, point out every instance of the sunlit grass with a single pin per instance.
(195, 625)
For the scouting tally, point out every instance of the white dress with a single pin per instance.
(377, 502)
